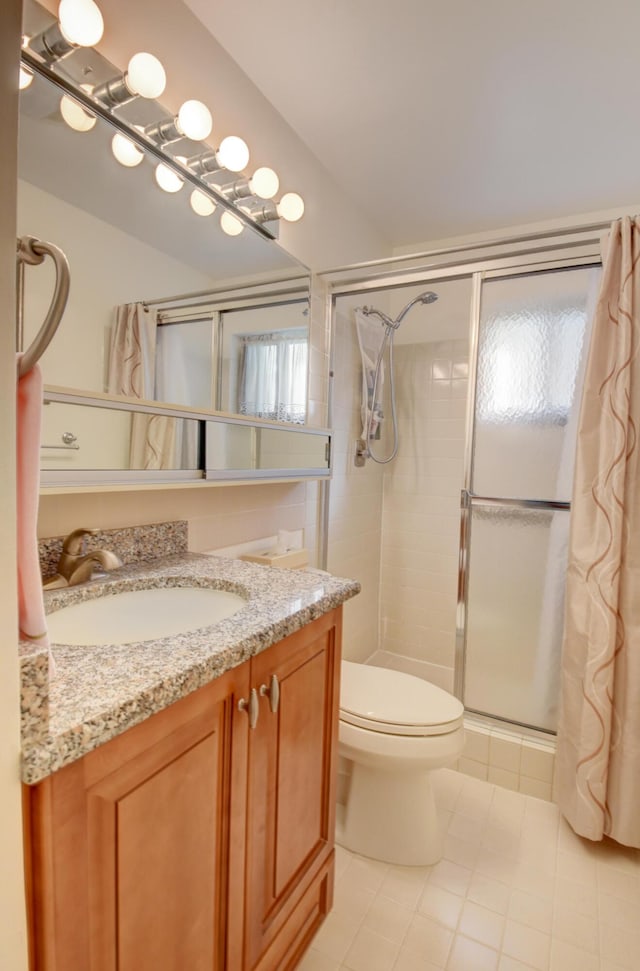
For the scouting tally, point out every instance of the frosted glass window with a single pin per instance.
(529, 363)
(531, 350)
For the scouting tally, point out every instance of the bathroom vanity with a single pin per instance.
(200, 837)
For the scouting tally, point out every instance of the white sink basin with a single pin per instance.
(141, 615)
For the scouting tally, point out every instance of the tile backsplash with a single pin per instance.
(133, 544)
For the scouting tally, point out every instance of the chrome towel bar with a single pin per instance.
(33, 251)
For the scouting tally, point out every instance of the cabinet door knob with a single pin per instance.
(272, 692)
(252, 707)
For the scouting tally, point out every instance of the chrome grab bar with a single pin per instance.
(33, 252)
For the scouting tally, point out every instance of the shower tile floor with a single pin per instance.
(516, 890)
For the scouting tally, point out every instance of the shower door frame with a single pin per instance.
(469, 499)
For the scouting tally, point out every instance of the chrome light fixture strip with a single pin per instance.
(139, 139)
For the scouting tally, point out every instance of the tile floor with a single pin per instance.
(516, 890)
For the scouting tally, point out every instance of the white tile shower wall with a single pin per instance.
(421, 518)
(355, 526)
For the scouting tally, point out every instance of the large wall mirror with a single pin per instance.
(225, 319)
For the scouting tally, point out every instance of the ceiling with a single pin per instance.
(446, 117)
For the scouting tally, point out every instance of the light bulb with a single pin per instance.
(233, 153)
(291, 207)
(201, 203)
(194, 120)
(26, 77)
(230, 224)
(74, 114)
(264, 183)
(167, 179)
(81, 22)
(126, 151)
(145, 76)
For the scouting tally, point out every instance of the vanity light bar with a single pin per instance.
(80, 24)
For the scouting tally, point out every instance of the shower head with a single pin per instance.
(428, 297)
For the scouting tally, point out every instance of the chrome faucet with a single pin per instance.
(76, 566)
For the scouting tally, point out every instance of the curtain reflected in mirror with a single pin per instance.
(141, 367)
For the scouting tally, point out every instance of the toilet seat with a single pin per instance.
(394, 703)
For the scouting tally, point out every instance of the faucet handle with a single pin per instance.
(74, 542)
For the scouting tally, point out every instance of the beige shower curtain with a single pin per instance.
(599, 731)
(131, 371)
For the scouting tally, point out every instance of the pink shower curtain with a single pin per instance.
(599, 731)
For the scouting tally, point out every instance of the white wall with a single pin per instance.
(13, 947)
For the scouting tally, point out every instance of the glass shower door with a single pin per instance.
(532, 339)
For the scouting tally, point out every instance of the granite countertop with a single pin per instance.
(98, 692)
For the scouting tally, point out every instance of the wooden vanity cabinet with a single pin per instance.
(291, 795)
(195, 841)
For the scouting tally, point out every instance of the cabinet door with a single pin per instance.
(291, 797)
(133, 845)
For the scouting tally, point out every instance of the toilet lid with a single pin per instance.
(383, 700)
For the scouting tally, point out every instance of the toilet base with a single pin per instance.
(391, 816)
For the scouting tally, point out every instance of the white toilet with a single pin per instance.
(396, 729)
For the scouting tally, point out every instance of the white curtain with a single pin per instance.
(132, 372)
(272, 376)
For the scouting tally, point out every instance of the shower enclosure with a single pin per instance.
(474, 510)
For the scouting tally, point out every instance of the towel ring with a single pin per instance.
(33, 251)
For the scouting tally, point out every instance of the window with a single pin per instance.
(528, 363)
(272, 375)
